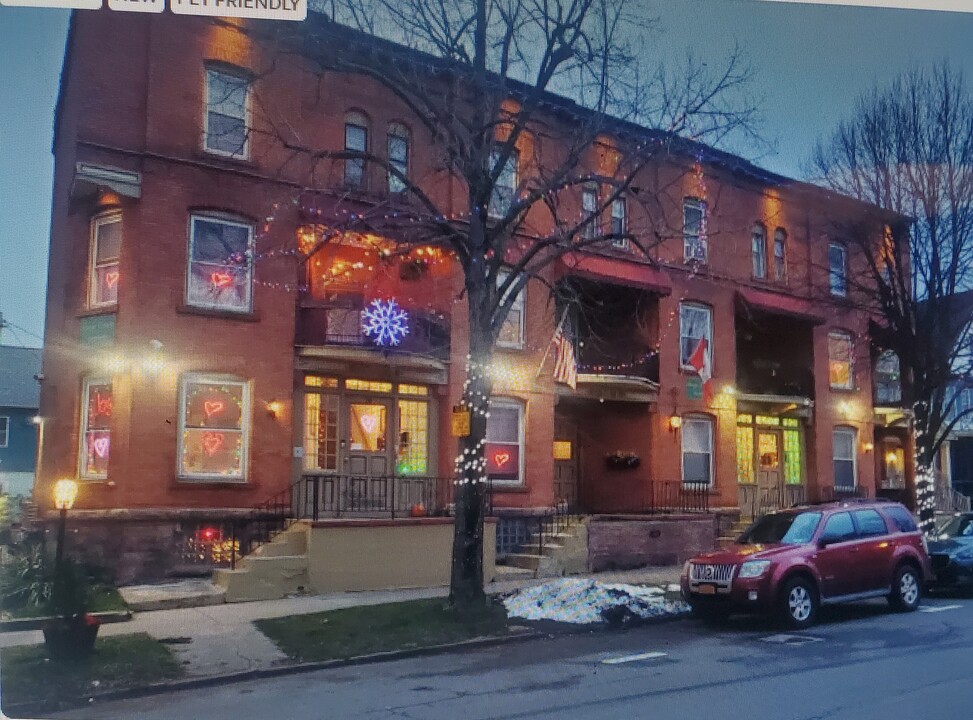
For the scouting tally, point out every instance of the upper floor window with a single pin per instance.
(888, 385)
(841, 360)
(845, 441)
(505, 440)
(356, 140)
(106, 243)
(697, 450)
(220, 273)
(780, 255)
(505, 188)
(694, 230)
(214, 416)
(512, 331)
(619, 223)
(589, 209)
(227, 113)
(695, 326)
(4, 431)
(398, 151)
(95, 435)
(837, 269)
(758, 249)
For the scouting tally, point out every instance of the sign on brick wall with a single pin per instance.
(259, 9)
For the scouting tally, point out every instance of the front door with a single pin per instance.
(367, 436)
(769, 469)
(566, 464)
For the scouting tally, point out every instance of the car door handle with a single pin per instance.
(854, 549)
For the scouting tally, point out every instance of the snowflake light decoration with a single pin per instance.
(385, 322)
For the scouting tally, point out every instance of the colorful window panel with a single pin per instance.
(368, 386)
(744, 419)
(413, 448)
(791, 422)
(320, 432)
(96, 429)
(792, 457)
(214, 421)
(745, 474)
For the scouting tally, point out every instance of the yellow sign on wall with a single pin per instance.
(460, 423)
(562, 449)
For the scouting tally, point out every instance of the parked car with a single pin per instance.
(793, 561)
(951, 553)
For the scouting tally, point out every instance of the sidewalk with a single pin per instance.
(218, 639)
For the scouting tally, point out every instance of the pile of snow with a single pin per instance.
(584, 602)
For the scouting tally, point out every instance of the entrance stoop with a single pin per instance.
(564, 553)
(272, 571)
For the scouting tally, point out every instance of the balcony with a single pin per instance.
(775, 355)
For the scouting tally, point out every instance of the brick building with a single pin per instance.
(197, 362)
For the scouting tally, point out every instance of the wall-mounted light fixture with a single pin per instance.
(868, 447)
(275, 408)
(675, 422)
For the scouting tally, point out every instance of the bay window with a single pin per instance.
(96, 415)
(214, 422)
(220, 272)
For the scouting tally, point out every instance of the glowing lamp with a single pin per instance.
(868, 447)
(729, 390)
(36, 420)
(65, 493)
(675, 422)
(275, 408)
(891, 458)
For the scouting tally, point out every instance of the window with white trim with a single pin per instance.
(220, 272)
(888, 381)
(619, 223)
(505, 188)
(695, 325)
(780, 255)
(837, 269)
(694, 230)
(758, 249)
(589, 209)
(841, 360)
(95, 435)
(505, 441)
(214, 424)
(697, 450)
(4, 431)
(106, 244)
(226, 129)
(398, 152)
(356, 140)
(845, 441)
(512, 331)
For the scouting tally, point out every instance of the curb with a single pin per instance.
(20, 624)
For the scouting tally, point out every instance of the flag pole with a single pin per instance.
(540, 368)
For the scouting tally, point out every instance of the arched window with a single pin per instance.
(758, 248)
(780, 255)
(398, 155)
(356, 140)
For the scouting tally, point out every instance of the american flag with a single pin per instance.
(565, 364)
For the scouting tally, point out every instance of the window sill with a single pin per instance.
(502, 487)
(249, 316)
(239, 161)
(103, 310)
(188, 481)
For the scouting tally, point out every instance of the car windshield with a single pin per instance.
(782, 529)
(959, 526)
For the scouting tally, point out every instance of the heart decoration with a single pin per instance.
(221, 280)
(111, 278)
(212, 442)
(369, 422)
(213, 407)
(101, 446)
(103, 404)
(501, 458)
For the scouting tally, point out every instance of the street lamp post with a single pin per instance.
(65, 493)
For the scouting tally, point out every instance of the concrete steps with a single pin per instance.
(173, 595)
(565, 553)
(273, 571)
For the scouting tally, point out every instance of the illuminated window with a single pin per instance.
(96, 413)
(780, 255)
(106, 243)
(841, 361)
(791, 422)
(505, 188)
(227, 110)
(512, 331)
(320, 382)
(694, 230)
(356, 140)
(320, 432)
(369, 422)
(398, 151)
(504, 441)
(837, 269)
(845, 442)
(695, 327)
(697, 450)
(220, 271)
(589, 207)
(744, 419)
(619, 223)
(413, 390)
(792, 457)
(768, 420)
(745, 470)
(758, 249)
(368, 386)
(214, 419)
(412, 457)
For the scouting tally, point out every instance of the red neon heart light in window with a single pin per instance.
(501, 458)
(369, 422)
(101, 447)
(103, 404)
(213, 407)
(212, 442)
(221, 280)
(111, 278)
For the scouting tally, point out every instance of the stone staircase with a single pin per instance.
(563, 553)
(273, 571)
(729, 537)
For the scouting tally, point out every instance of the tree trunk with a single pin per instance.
(925, 470)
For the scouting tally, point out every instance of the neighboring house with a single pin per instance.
(19, 400)
(184, 387)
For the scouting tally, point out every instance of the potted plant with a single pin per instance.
(71, 631)
(619, 460)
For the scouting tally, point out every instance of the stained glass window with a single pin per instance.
(745, 455)
(744, 419)
(368, 386)
(768, 420)
(792, 457)
(791, 422)
(213, 420)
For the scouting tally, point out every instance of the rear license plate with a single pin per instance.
(706, 589)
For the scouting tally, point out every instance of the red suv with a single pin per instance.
(793, 561)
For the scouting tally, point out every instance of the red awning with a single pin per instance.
(617, 271)
(777, 304)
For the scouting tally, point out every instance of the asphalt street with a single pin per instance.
(861, 662)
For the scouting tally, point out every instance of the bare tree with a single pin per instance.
(525, 102)
(908, 148)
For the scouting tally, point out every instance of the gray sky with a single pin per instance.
(811, 62)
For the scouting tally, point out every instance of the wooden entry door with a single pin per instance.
(769, 468)
(368, 428)
(566, 480)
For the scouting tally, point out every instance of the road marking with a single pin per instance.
(938, 608)
(785, 639)
(633, 658)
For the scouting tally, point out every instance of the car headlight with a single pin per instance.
(753, 568)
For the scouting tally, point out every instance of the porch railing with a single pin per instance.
(781, 496)
(949, 500)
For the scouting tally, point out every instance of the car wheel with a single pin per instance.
(906, 589)
(799, 604)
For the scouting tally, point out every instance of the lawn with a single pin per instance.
(103, 599)
(380, 628)
(26, 674)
